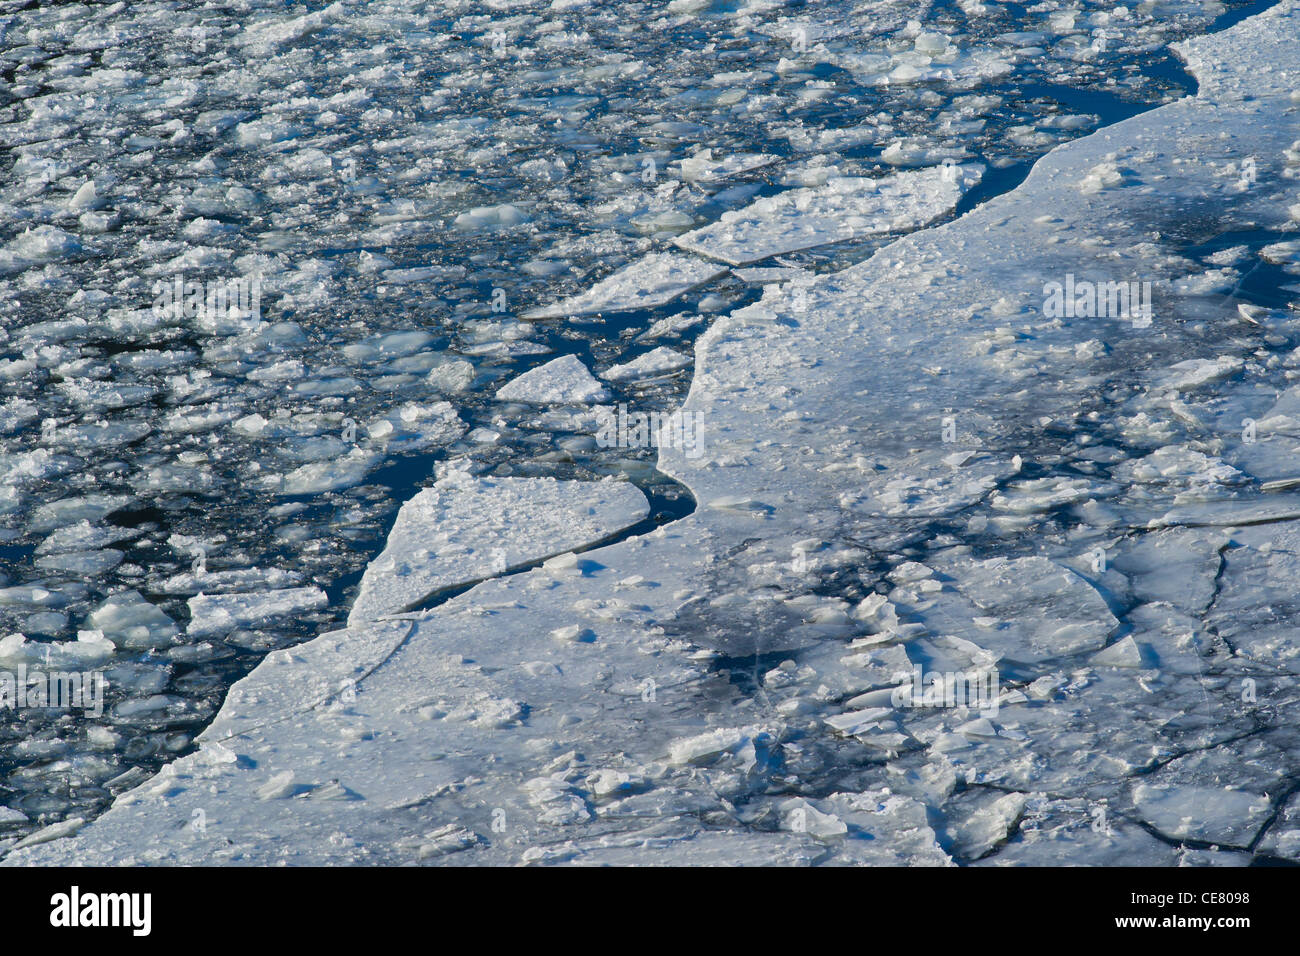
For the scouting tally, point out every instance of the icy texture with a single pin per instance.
(216, 615)
(649, 282)
(712, 691)
(844, 208)
(655, 362)
(562, 381)
(464, 529)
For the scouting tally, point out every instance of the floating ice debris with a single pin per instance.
(127, 619)
(647, 283)
(482, 217)
(766, 275)
(90, 648)
(8, 816)
(672, 325)
(659, 361)
(816, 416)
(1193, 373)
(1214, 814)
(215, 615)
(463, 529)
(233, 579)
(703, 168)
(708, 746)
(37, 246)
(989, 825)
(1281, 253)
(843, 209)
(1042, 609)
(561, 381)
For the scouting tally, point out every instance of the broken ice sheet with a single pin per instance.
(986, 821)
(1060, 832)
(561, 381)
(929, 484)
(649, 282)
(1257, 604)
(327, 670)
(871, 828)
(843, 209)
(704, 168)
(1194, 373)
(301, 134)
(660, 361)
(1023, 609)
(1220, 814)
(1179, 566)
(466, 528)
(214, 615)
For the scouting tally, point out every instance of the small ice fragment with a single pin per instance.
(561, 381)
(278, 787)
(647, 283)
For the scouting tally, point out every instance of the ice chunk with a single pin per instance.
(1123, 653)
(131, 622)
(463, 529)
(657, 362)
(703, 168)
(1176, 565)
(843, 209)
(1038, 608)
(36, 247)
(1193, 373)
(989, 825)
(330, 475)
(449, 838)
(481, 217)
(1214, 814)
(561, 381)
(708, 746)
(215, 615)
(652, 281)
(55, 831)
(1102, 176)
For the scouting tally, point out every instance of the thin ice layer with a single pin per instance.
(579, 681)
(847, 207)
(464, 529)
(647, 283)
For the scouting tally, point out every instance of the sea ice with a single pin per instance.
(844, 208)
(649, 282)
(561, 381)
(215, 615)
(463, 529)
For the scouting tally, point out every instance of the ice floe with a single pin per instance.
(647, 283)
(464, 529)
(844, 208)
(625, 724)
(561, 381)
